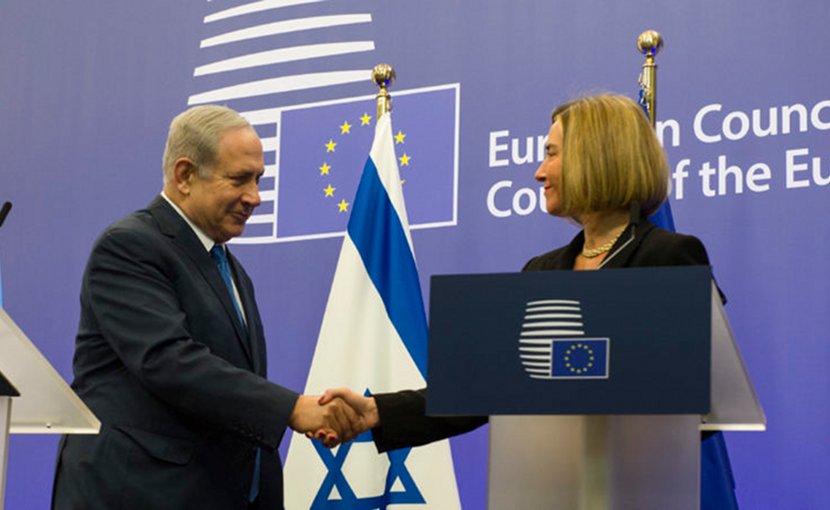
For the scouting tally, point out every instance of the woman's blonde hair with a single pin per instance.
(610, 156)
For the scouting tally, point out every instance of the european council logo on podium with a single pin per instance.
(553, 345)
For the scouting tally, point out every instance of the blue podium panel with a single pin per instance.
(617, 341)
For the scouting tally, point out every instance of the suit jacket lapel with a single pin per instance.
(626, 246)
(255, 342)
(173, 226)
(620, 254)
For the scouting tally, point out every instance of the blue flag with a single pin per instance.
(662, 217)
(717, 485)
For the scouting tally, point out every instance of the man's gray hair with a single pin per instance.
(195, 134)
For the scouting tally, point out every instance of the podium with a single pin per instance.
(597, 383)
(34, 399)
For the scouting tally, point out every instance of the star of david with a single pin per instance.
(348, 499)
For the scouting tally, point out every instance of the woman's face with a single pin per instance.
(549, 172)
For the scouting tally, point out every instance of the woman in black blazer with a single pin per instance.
(605, 170)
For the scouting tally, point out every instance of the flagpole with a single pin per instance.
(383, 75)
(716, 483)
(649, 43)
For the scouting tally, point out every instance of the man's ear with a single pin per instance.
(184, 172)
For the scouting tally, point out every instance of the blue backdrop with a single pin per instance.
(87, 89)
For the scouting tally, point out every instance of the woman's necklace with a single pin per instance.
(596, 252)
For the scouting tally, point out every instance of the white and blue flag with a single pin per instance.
(373, 339)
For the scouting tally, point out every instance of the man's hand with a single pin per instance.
(366, 415)
(335, 418)
(365, 407)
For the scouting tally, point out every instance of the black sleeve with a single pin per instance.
(404, 422)
(671, 249)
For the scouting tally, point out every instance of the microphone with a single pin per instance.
(634, 217)
(4, 211)
(633, 220)
(634, 212)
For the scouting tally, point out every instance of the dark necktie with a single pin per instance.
(221, 259)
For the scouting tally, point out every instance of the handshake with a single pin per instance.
(338, 416)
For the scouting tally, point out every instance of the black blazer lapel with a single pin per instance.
(173, 225)
(626, 246)
(622, 254)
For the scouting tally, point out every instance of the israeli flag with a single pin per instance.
(373, 339)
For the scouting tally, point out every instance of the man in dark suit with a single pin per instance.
(170, 351)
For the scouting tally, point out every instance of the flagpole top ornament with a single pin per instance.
(650, 43)
(383, 75)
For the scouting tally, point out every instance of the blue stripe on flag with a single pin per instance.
(717, 485)
(378, 235)
(662, 217)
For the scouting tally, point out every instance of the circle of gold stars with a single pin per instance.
(331, 146)
(585, 367)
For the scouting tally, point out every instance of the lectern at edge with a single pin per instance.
(597, 382)
(34, 399)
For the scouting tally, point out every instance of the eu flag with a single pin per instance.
(580, 358)
(322, 147)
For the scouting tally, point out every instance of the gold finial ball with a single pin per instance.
(650, 43)
(383, 75)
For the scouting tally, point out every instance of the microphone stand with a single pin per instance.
(4, 211)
